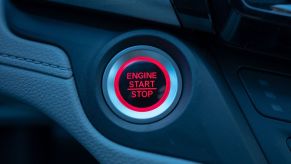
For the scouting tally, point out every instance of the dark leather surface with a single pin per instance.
(31, 55)
(40, 75)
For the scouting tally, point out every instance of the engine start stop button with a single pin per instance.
(142, 84)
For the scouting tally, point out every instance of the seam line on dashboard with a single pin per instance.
(5, 55)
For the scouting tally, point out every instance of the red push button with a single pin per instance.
(142, 84)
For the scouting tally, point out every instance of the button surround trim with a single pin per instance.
(109, 88)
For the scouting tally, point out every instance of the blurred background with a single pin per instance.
(27, 136)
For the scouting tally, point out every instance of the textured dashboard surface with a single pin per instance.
(31, 55)
(40, 75)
